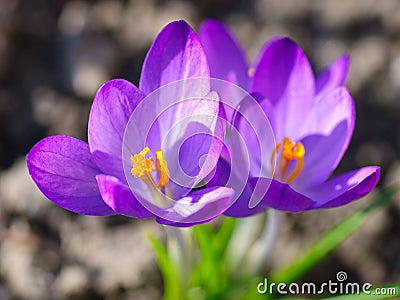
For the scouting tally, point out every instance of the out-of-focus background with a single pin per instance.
(54, 54)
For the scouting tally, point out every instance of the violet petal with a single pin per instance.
(284, 76)
(225, 56)
(111, 109)
(344, 188)
(270, 193)
(333, 76)
(198, 207)
(63, 169)
(176, 54)
(120, 198)
(327, 130)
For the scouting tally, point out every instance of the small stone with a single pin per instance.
(72, 280)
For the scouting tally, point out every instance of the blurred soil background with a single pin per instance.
(55, 54)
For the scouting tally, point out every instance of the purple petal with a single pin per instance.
(330, 110)
(175, 54)
(190, 137)
(327, 130)
(225, 57)
(113, 105)
(193, 146)
(241, 206)
(222, 170)
(198, 207)
(345, 188)
(253, 122)
(120, 198)
(284, 76)
(64, 171)
(269, 194)
(333, 76)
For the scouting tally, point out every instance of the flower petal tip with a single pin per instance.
(346, 188)
(63, 170)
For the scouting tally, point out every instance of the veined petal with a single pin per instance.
(198, 207)
(333, 76)
(225, 57)
(335, 192)
(284, 76)
(175, 54)
(254, 124)
(240, 208)
(64, 171)
(113, 105)
(120, 198)
(222, 170)
(269, 193)
(193, 146)
(333, 108)
(344, 188)
(327, 132)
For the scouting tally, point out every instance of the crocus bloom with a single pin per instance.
(92, 178)
(312, 120)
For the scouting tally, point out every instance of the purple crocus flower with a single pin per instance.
(312, 120)
(92, 178)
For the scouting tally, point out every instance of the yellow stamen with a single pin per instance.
(290, 151)
(284, 168)
(272, 160)
(143, 166)
(296, 172)
(162, 167)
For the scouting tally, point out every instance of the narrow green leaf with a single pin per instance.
(172, 287)
(210, 265)
(328, 242)
(224, 234)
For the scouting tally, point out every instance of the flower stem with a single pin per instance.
(262, 249)
(180, 249)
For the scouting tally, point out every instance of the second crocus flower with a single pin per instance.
(312, 120)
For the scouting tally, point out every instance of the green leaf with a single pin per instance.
(328, 242)
(210, 274)
(210, 265)
(224, 234)
(172, 287)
